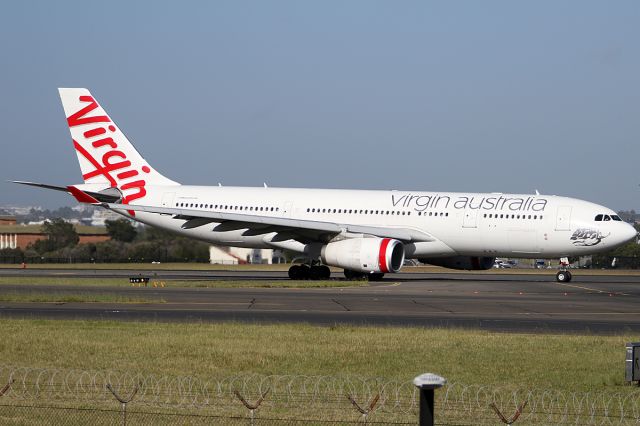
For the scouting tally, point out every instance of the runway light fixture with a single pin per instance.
(632, 363)
(428, 383)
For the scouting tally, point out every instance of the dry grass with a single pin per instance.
(65, 297)
(124, 282)
(561, 362)
(285, 267)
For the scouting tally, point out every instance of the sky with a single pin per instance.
(491, 96)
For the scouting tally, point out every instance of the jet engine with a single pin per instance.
(469, 263)
(368, 255)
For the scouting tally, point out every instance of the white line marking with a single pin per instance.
(594, 289)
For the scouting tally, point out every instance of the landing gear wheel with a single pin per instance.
(376, 277)
(294, 272)
(320, 272)
(305, 272)
(353, 275)
(563, 276)
(326, 272)
(299, 272)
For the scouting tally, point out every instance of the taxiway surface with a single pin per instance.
(504, 302)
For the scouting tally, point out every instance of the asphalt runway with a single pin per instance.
(499, 302)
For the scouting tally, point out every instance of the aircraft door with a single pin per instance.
(470, 219)
(287, 210)
(167, 199)
(563, 218)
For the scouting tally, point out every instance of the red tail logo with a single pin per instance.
(113, 164)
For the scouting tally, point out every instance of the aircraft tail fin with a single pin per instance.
(105, 154)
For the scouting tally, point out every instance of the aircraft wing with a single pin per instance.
(258, 224)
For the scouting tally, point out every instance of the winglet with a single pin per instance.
(81, 196)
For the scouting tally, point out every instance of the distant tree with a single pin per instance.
(152, 233)
(11, 255)
(121, 230)
(59, 233)
(109, 251)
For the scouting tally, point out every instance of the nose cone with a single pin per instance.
(626, 234)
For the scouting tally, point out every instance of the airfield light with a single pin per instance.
(427, 383)
(632, 363)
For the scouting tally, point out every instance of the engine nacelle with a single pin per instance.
(469, 263)
(369, 255)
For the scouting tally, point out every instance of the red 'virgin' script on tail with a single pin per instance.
(102, 152)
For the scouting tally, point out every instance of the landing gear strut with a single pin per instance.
(306, 272)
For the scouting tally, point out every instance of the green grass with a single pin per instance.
(285, 267)
(124, 282)
(561, 362)
(48, 297)
(151, 267)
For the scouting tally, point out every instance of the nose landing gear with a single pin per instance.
(563, 276)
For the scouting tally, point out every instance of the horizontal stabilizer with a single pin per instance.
(41, 185)
(108, 195)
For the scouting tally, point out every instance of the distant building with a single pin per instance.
(7, 220)
(239, 256)
(20, 236)
(20, 210)
(100, 215)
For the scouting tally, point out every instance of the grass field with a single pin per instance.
(79, 297)
(285, 267)
(561, 362)
(124, 282)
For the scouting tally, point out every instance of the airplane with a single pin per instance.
(365, 232)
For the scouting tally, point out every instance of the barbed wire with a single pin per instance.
(296, 393)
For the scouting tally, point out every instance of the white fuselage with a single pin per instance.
(505, 225)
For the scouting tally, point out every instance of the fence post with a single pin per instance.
(365, 411)
(251, 407)
(6, 388)
(123, 401)
(427, 383)
(511, 420)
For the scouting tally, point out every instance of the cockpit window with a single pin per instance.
(599, 218)
(616, 218)
(607, 218)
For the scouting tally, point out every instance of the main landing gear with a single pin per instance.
(355, 276)
(306, 272)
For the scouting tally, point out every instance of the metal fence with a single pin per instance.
(65, 397)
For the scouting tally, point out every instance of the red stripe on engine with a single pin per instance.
(382, 256)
